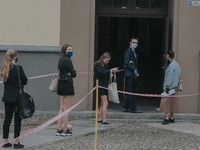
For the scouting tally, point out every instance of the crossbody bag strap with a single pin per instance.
(20, 88)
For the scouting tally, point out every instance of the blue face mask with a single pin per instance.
(69, 54)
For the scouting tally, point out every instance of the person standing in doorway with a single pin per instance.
(130, 64)
(65, 88)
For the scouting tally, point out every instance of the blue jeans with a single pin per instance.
(129, 100)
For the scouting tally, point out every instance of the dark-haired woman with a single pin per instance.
(11, 91)
(65, 88)
(170, 104)
(102, 73)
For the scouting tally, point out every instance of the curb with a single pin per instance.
(119, 115)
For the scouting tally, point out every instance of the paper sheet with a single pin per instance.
(172, 91)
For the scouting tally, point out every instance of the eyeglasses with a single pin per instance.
(134, 42)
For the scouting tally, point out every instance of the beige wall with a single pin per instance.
(30, 22)
(186, 45)
(77, 29)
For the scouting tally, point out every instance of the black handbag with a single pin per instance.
(137, 83)
(25, 104)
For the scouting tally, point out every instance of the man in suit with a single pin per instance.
(130, 64)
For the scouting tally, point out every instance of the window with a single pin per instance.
(104, 3)
(142, 4)
(156, 4)
(120, 4)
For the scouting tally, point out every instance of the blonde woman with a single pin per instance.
(102, 73)
(65, 88)
(11, 91)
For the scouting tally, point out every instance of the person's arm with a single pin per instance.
(23, 77)
(128, 62)
(168, 77)
(70, 68)
(102, 71)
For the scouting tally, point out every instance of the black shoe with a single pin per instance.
(18, 146)
(125, 110)
(58, 132)
(171, 120)
(165, 122)
(66, 133)
(136, 111)
(107, 124)
(101, 121)
(7, 145)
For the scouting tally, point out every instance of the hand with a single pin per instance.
(167, 90)
(114, 69)
(69, 74)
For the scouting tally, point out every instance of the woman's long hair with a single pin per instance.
(63, 52)
(7, 63)
(104, 56)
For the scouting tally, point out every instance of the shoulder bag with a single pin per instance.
(25, 104)
(54, 84)
(112, 90)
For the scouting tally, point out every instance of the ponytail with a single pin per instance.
(7, 63)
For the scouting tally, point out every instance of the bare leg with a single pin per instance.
(166, 116)
(100, 112)
(104, 99)
(67, 105)
(60, 120)
(172, 116)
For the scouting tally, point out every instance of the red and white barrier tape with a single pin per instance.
(51, 120)
(53, 74)
(150, 95)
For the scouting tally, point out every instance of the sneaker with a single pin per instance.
(58, 132)
(165, 122)
(66, 133)
(18, 146)
(106, 124)
(101, 121)
(7, 145)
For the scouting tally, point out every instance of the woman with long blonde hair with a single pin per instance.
(102, 73)
(11, 91)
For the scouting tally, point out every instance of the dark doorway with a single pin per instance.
(113, 34)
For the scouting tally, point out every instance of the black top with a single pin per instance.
(102, 74)
(65, 66)
(11, 86)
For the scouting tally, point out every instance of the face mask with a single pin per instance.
(167, 58)
(133, 45)
(69, 54)
(16, 59)
(105, 61)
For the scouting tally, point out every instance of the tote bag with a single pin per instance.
(112, 90)
(25, 104)
(54, 84)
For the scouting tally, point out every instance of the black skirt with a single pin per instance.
(103, 91)
(65, 88)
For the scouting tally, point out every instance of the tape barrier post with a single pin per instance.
(97, 96)
(124, 86)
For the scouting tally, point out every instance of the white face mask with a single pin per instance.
(167, 58)
(134, 45)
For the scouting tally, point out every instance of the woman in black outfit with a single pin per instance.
(10, 96)
(65, 88)
(102, 73)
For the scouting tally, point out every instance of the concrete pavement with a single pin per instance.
(140, 131)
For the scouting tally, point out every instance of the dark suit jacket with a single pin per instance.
(65, 66)
(102, 74)
(11, 86)
(130, 63)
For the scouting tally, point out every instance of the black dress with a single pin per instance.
(102, 73)
(65, 82)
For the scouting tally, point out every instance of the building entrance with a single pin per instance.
(113, 34)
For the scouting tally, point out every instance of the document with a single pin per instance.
(172, 91)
